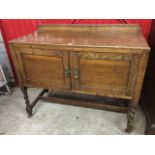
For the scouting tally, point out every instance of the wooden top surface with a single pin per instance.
(117, 36)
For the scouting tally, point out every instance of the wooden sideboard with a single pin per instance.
(86, 60)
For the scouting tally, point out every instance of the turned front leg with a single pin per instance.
(130, 117)
(27, 102)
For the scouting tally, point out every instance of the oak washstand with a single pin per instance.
(83, 64)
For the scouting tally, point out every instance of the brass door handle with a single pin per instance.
(67, 71)
(76, 73)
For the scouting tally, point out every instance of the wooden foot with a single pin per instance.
(27, 102)
(29, 111)
(131, 114)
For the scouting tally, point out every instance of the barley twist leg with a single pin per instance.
(130, 118)
(27, 102)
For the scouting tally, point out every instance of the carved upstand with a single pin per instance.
(84, 65)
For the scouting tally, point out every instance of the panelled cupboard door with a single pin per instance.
(44, 68)
(111, 74)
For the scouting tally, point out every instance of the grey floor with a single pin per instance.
(61, 119)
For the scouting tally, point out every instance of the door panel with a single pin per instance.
(102, 73)
(95, 74)
(44, 68)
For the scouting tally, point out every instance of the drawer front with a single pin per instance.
(104, 73)
(43, 68)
